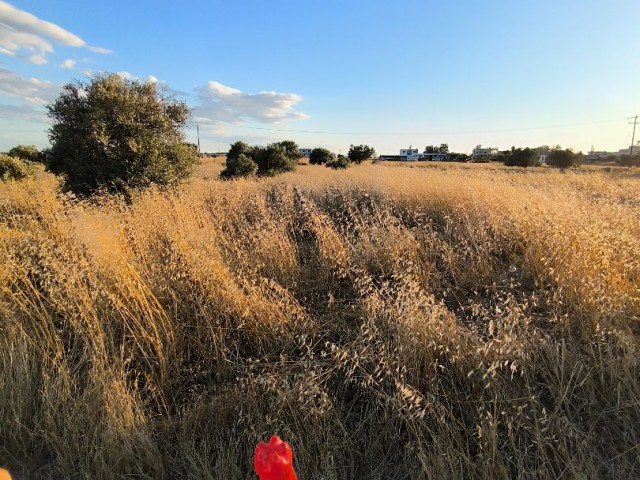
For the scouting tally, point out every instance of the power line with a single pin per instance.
(461, 132)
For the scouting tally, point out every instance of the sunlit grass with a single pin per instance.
(388, 321)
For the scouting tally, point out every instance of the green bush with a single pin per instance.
(239, 166)
(271, 160)
(320, 156)
(276, 158)
(115, 134)
(13, 168)
(26, 152)
(341, 162)
(520, 157)
(564, 158)
(628, 160)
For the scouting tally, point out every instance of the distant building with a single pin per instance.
(411, 154)
(627, 151)
(598, 156)
(483, 154)
(305, 152)
(595, 156)
(406, 155)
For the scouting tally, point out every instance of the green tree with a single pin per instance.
(320, 156)
(239, 166)
(563, 158)
(291, 149)
(276, 158)
(238, 148)
(114, 134)
(26, 152)
(443, 148)
(431, 149)
(271, 160)
(359, 153)
(520, 157)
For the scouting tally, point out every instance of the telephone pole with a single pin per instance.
(633, 135)
(198, 131)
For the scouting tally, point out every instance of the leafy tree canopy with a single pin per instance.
(359, 153)
(114, 134)
(443, 148)
(563, 158)
(520, 157)
(320, 156)
(271, 160)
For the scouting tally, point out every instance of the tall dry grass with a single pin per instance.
(390, 323)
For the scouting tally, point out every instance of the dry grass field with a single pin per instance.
(388, 322)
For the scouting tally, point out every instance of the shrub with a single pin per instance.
(628, 160)
(239, 166)
(115, 134)
(13, 168)
(26, 152)
(271, 160)
(563, 158)
(320, 156)
(275, 158)
(341, 162)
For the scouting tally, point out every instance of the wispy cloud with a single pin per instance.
(31, 90)
(21, 31)
(68, 64)
(222, 104)
(100, 50)
(37, 59)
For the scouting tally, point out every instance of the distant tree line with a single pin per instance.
(627, 160)
(532, 157)
(110, 134)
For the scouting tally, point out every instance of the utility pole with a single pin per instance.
(633, 135)
(198, 131)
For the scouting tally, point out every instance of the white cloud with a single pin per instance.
(126, 76)
(37, 59)
(68, 64)
(151, 79)
(31, 90)
(20, 31)
(220, 103)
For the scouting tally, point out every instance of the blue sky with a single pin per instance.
(333, 73)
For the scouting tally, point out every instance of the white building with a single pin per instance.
(627, 151)
(411, 154)
(483, 154)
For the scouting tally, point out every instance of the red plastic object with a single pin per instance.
(274, 460)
